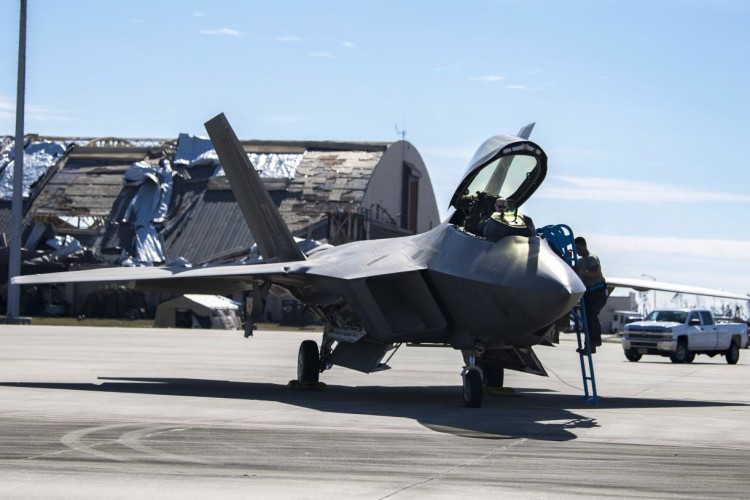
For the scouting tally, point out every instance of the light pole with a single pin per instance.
(14, 258)
(651, 277)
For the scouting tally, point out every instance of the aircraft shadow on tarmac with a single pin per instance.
(531, 414)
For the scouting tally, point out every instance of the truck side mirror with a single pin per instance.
(694, 322)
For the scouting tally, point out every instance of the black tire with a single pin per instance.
(308, 362)
(633, 356)
(690, 357)
(494, 374)
(733, 353)
(680, 353)
(473, 390)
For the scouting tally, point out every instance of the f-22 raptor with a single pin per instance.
(482, 282)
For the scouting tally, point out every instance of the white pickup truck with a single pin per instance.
(683, 333)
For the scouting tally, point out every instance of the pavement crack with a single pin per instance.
(684, 375)
(459, 467)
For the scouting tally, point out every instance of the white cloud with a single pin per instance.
(198, 14)
(488, 78)
(33, 112)
(346, 44)
(288, 39)
(515, 87)
(711, 263)
(7, 108)
(322, 54)
(627, 191)
(221, 32)
(672, 247)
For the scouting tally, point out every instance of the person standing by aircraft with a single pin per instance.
(589, 269)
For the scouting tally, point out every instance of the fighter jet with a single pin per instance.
(482, 282)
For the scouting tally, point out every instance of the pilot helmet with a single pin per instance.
(500, 204)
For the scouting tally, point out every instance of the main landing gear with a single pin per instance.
(473, 386)
(308, 363)
(475, 374)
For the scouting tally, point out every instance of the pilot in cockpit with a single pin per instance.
(500, 205)
(505, 221)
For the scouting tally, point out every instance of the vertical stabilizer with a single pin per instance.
(525, 132)
(274, 240)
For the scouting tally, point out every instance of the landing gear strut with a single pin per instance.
(473, 390)
(493, 374)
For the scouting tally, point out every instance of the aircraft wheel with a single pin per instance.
(633, 356)
(308, 362)
(680, 353)
(493, 374)
(733, 354)
(473, 390)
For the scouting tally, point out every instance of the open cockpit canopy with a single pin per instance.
(504, 166)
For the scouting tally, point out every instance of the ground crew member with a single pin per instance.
(589, 269)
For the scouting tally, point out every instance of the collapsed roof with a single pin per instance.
(87, 194)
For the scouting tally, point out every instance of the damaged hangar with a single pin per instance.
(134, 202)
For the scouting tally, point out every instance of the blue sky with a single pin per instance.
(641, 106)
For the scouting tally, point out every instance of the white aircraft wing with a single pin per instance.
(642, 285)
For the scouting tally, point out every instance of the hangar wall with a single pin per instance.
(402, 166)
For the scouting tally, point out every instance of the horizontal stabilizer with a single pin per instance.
(271, 233)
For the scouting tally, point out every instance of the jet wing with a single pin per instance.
(230, 279)
(105, 274)
(642, 285)
(182, 280)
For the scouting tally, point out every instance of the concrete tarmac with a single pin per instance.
(182, 414)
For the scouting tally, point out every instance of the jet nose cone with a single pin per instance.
(560, 286)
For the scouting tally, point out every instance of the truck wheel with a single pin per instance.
(633, 356)
(733, 353)
(681, 353)
(690, 357)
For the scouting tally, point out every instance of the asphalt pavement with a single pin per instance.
(182, 414)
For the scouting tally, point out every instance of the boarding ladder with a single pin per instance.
(560, 238)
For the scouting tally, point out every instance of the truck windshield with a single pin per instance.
(671, 316)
